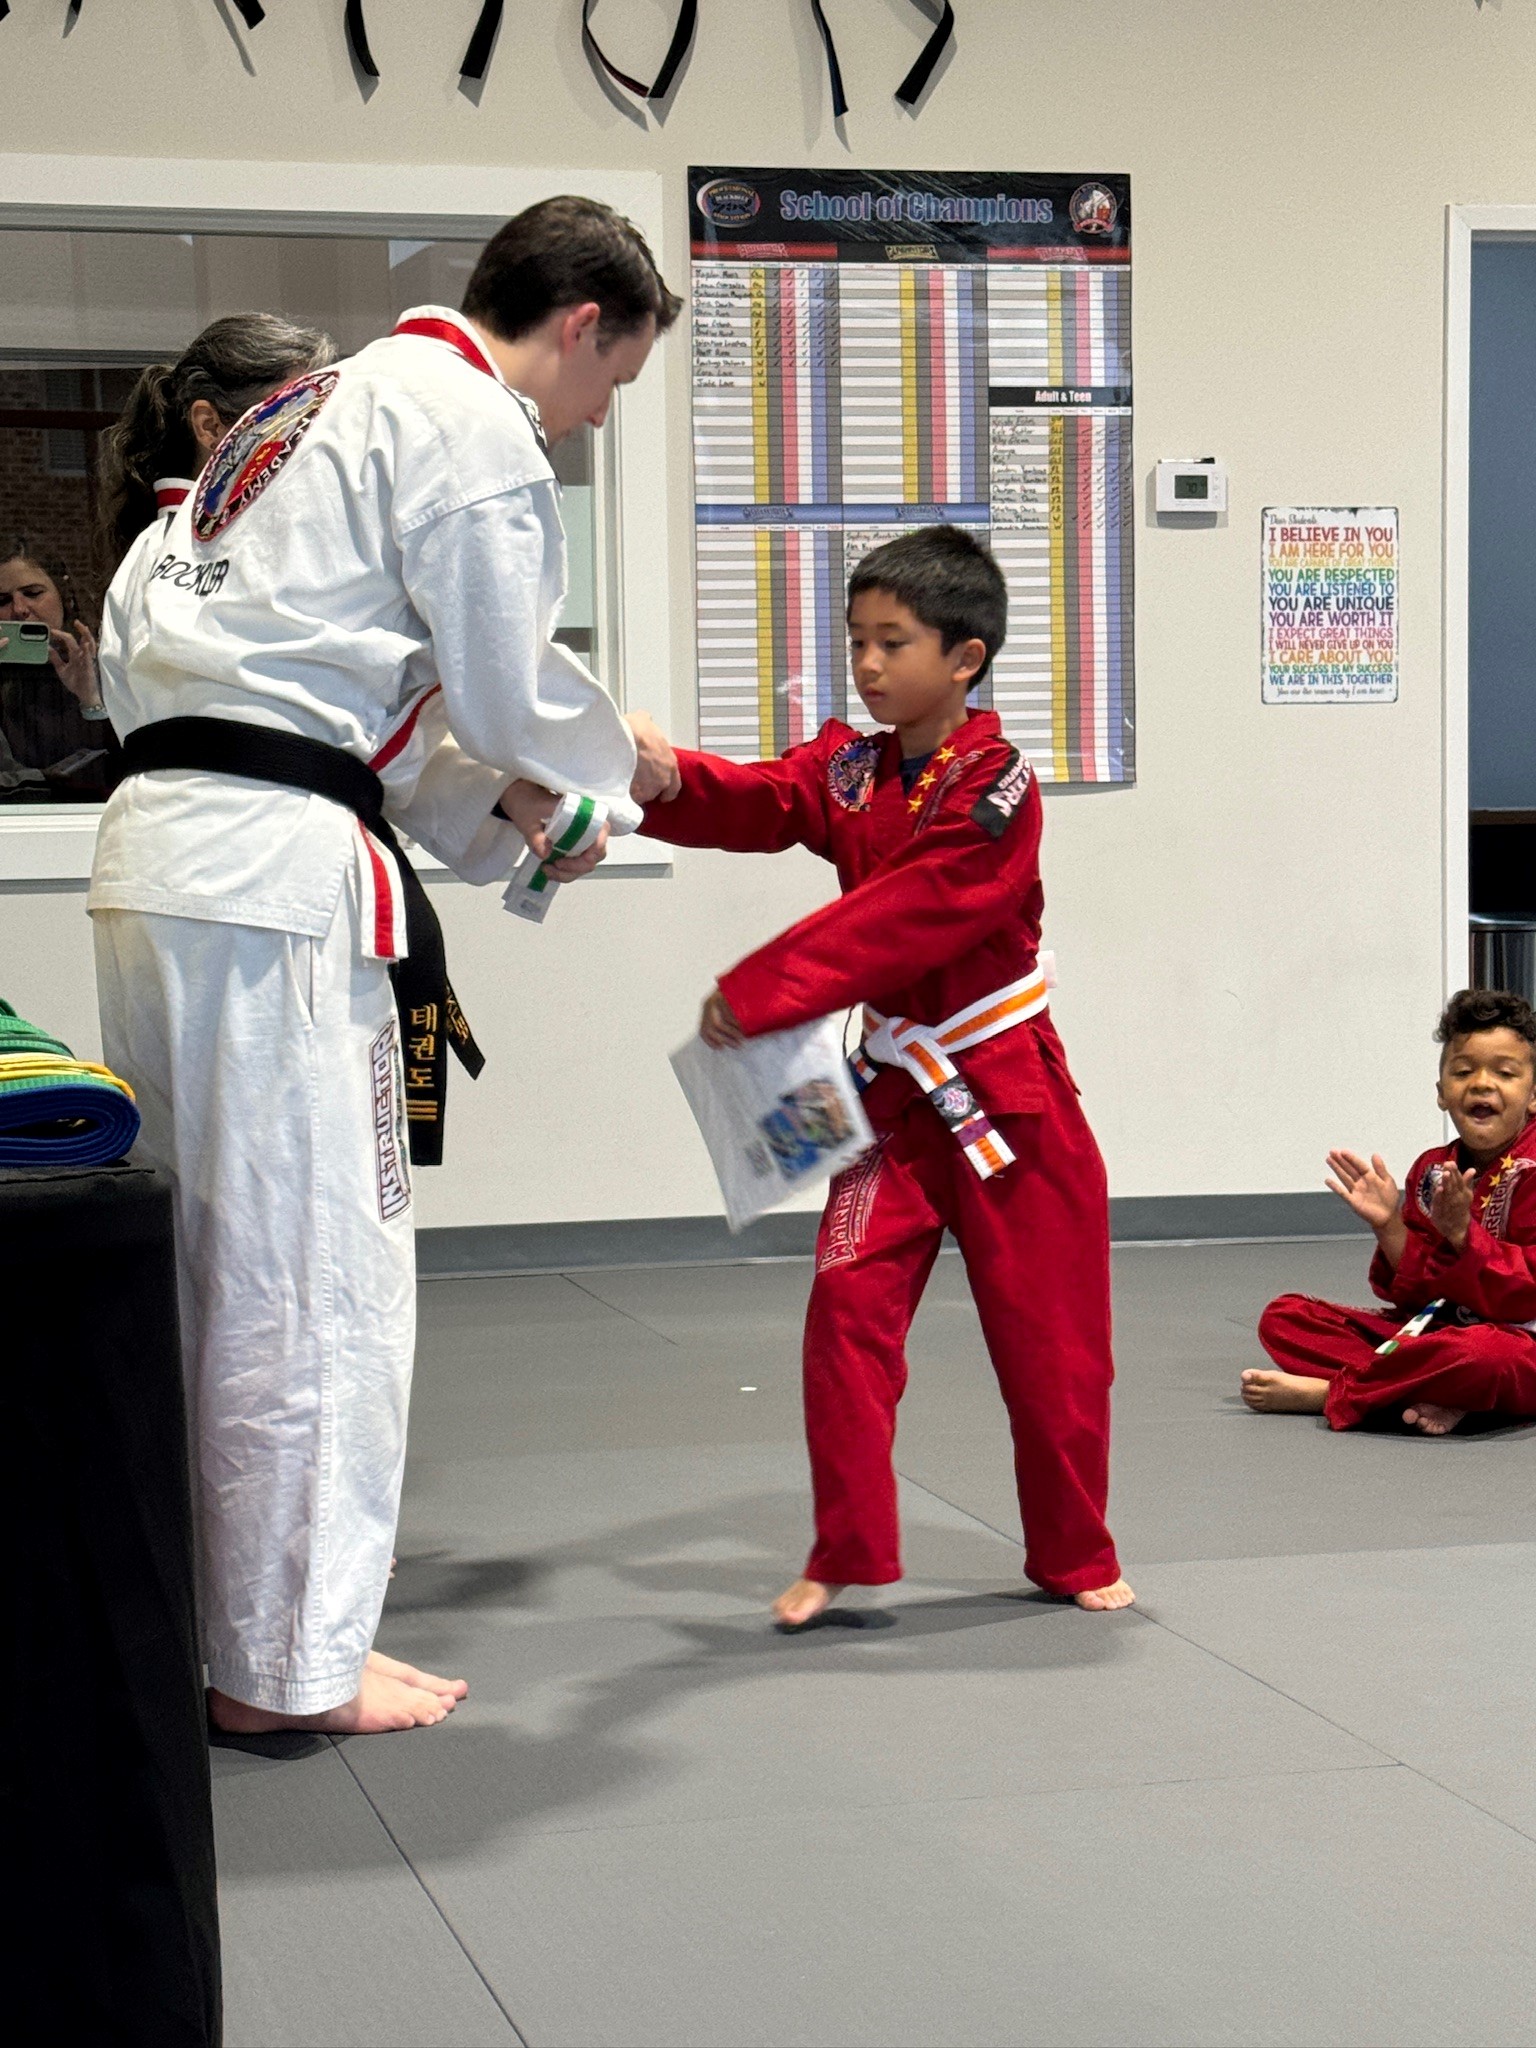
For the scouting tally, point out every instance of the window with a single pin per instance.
(84, 312)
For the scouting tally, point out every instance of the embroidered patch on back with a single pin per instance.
(851, 773)
(995, 807)
(255, 449)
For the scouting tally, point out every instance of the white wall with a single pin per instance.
(1250, 939)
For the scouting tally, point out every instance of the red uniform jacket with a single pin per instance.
(1494, 1275)
(941, 899)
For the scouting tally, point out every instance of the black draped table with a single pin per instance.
(113, 1910)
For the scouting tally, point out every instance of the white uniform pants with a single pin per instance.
(267, 1069)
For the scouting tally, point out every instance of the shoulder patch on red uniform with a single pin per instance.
(994, 809)
(851, 773)
(255, 449)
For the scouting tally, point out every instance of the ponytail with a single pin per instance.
(148, 441)
(232, 363)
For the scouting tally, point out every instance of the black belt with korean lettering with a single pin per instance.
(430, 1018)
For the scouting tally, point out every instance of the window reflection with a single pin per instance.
(82, 315)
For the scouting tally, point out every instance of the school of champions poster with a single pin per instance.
(878, 350)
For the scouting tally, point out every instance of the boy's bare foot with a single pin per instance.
(1283, 1393)
(1105, 1599)
(1432, 1419)
(447, 1689)
(380, 1705)
(803, 1601)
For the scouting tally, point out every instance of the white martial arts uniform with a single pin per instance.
(374, 559)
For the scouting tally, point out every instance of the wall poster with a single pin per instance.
(877, 350)
(1330, 605)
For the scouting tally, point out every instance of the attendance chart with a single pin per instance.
(877, 350)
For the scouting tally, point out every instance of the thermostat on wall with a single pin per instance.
(1199, 485)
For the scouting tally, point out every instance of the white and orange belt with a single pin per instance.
(924, 1050)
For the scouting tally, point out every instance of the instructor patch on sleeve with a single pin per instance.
(996, 806)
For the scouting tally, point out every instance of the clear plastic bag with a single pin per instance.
(778, 1114)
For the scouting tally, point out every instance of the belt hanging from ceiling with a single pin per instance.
(431, 1023)
(357, 39)
(661, 85)
(483, 41)
(477, 56)
(251, 12)
(910, 90)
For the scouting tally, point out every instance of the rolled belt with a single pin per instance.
(924, 1051)
(430, 1018)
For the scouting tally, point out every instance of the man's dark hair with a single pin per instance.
(947, 580)
(1486, 1009)
(568, 252)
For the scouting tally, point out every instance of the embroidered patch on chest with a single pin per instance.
(255, 449)
(996, 807)
(851, 773)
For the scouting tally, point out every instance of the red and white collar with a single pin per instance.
(440, 323)
(170, 491)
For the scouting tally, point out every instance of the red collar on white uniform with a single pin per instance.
(437, 323)
(170, 490)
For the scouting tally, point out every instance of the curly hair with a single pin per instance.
(1486, 1009)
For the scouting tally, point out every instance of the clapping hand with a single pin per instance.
(1450, 1208)
(1367, 1187)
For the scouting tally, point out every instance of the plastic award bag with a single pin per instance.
(778, 1114)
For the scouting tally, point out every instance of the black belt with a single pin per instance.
(430, 1018)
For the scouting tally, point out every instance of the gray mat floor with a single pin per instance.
(1290, 1798)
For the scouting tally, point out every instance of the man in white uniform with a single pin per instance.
(346, 628)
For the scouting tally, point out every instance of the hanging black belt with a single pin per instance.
(430, 1018)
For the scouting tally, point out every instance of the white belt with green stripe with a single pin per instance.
(575, 825)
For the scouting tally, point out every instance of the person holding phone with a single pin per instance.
(51, 713)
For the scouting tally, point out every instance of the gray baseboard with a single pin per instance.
(704, 1240)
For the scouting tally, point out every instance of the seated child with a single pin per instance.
(1462, 1241)
(934, 828)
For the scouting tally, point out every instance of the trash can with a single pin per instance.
(1503, 954)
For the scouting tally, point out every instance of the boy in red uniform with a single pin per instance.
(934, 829)
(1461, 1240)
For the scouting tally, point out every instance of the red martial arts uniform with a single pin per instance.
(941, 910)
(1485, 1363)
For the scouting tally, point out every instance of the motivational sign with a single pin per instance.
(1330, 605)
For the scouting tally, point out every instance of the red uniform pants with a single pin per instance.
(1036, 1244)
(1484, 1368)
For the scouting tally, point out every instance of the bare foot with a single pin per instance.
(1283, 1393)
(1432, 1419)
(1105, 1599)
(380, 1704)
(447, 1689)
(804, 1600)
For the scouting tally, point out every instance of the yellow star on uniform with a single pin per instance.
(925, 778)
(914, 803)
(945, 754)
(1508, 1159)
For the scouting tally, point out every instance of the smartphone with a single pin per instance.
(23, 640)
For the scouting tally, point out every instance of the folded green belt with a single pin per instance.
(56, 1110)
